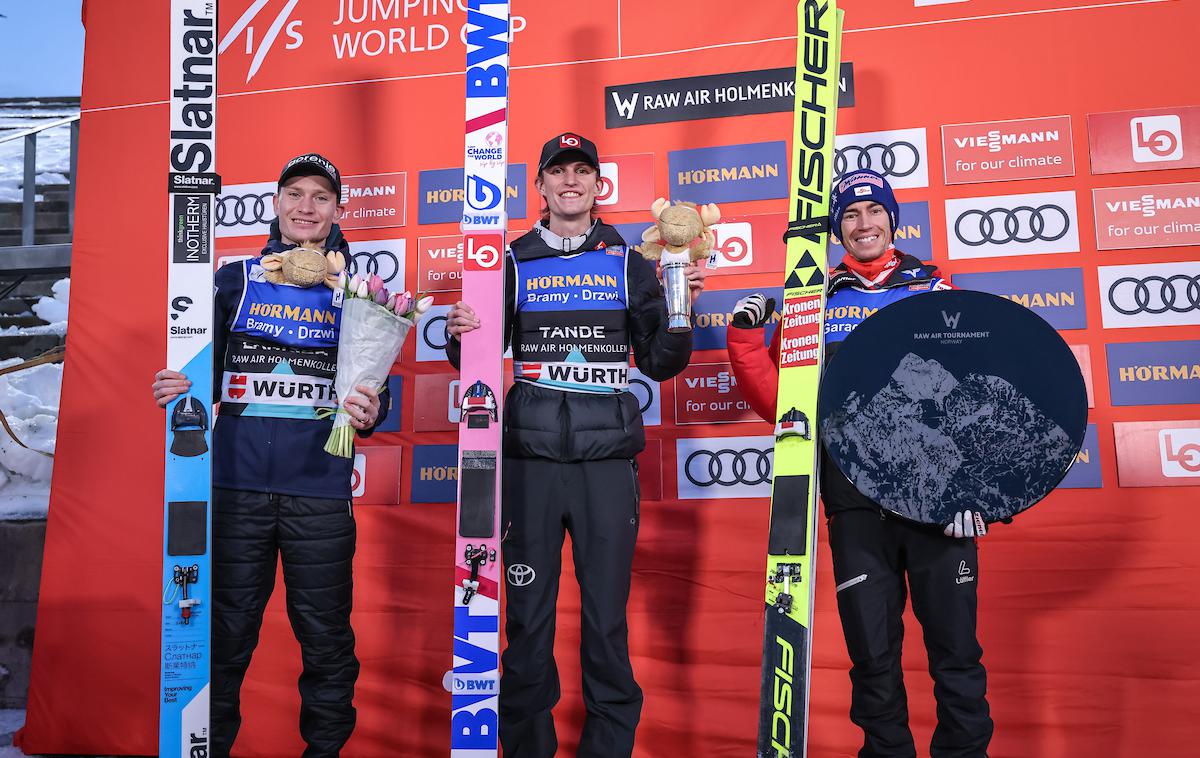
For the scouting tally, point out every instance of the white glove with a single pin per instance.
(966, 524)
(753, 311)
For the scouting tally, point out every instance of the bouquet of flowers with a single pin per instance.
(374, 325)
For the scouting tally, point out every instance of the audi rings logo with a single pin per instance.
(1155, 294)
(1022, 224)
(643, 393)
(894, 160)
(245, 210)
(382, 263)
(727, 467)
(520, 575)
(433, 333)
(646, 392)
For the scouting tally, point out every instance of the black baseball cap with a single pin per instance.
(312, 164)
(569, 142)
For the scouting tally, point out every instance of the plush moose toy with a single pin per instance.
(304, 266)
(679, 228)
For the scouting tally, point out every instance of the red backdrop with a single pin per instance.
(1088, 611)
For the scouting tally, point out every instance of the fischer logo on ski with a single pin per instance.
(791, 550)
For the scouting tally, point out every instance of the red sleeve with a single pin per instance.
(755, 367)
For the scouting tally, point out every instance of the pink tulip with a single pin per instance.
(403, 304)
(391, 302)
(374, 284)
(381, 296)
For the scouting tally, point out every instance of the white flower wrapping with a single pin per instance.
(369, 342)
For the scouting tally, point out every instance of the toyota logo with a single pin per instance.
(520, 575)
(728, 467)
(235, 210)
(435, 338)
(382, 263)
(899, 159)
(1179, 293)
(1021, 224)
(643, 391)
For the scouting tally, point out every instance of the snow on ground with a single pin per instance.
(53, 146)
(29, 399)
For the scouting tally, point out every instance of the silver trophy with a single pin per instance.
(679, 237)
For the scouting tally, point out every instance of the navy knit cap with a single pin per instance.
(855, 186)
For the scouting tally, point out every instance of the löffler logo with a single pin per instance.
(1144, 140)
(1180, 452)
(1158, 453)
(358, 478)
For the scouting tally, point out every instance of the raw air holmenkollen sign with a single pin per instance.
(691, 98)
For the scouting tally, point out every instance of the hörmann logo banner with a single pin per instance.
(707, 393)
(771, 90)
(713, 468)
(1001, 151)
(748, 245)
(1154, 373)
(435, 473)
(1160, 215)
(1158, 453)
(914, 235)
(1085, 471)
(441, 194)
(1144, 140)
(756, 171)
(900, 155)
(626, 182)
(714, 311)
(1054, 294)
(1150, 294)
(1005, 225)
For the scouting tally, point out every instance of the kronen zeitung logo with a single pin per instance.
(362, 29)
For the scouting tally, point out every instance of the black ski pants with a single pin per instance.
(597, 502)
(873, 555)
(315, 539)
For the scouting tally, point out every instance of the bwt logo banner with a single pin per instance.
(441, 194)
(900, 155)
(1054, 294)
(749, 245)
(382, 258)
(376, 476)
(1003, 225)
(1000, 151)
(1150, 294)
(1085, 471)
(435, 473)
(1144, 140)
(714, 310)
(395, 396)
(914, 235)
(1158, 453)
(691, 98)
(1154, 373)
(756, 171)
(713, 468)
(626, 182)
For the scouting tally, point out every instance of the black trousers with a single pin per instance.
(873, 555)
(597, 502)
(315, 539)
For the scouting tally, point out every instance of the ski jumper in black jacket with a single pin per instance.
(571, 431)
(878, 559)
(278, 495)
